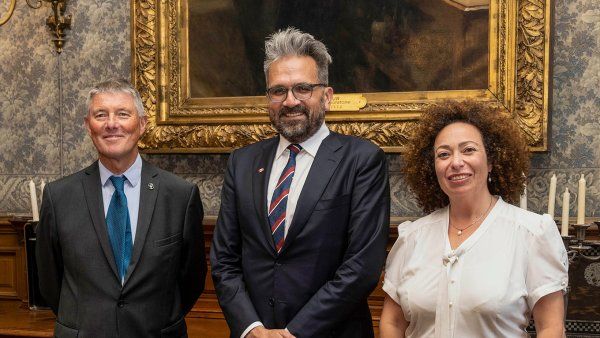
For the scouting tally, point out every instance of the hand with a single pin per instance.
(262, 332)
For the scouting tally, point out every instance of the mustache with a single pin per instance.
(296, 109)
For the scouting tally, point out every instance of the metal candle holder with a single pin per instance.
(577, 245)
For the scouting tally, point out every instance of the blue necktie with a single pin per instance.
(119, 226)
(280, 197)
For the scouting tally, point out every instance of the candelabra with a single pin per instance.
(577, 245)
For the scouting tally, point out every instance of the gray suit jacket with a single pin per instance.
(78, 275)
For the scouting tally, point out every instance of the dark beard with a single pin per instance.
(298, 131)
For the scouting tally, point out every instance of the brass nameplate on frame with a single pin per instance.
(347, 102)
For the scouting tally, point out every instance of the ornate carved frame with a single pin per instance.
(519, 81)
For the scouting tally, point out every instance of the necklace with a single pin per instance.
(460, 231)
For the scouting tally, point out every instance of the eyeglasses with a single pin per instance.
(301, 91)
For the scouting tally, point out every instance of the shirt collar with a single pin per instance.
(311, 146)
(133, 173)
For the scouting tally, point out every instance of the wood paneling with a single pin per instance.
(13, 268)
(8, 277)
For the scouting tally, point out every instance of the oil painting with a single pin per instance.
(377, 46)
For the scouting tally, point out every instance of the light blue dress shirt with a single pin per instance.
(132, 190)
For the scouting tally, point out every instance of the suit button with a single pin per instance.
(272, 301)
(121, 303)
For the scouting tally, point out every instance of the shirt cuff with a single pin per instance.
(250, 327)
(544, 290)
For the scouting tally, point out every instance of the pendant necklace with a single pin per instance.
(460, 231)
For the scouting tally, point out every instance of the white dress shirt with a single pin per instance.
(304, 161)
(131, 187)
(487, 286)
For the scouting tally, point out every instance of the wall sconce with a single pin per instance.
(57, 22)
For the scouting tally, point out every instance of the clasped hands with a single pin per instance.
(262, 332)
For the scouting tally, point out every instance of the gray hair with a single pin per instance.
(117, 86)
(292, 41)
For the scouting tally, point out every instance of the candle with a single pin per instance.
(581, 201)
(42, 186)
(552, 195)
(523, 201)
(34, 205)
(564, 229)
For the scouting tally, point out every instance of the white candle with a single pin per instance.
(523, 201)
(42, 186)
(581, 201)
(552, 196)
(564, 229)
(34, 205)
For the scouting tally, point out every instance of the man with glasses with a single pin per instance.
(300, 239)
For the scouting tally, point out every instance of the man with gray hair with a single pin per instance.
(300, 239)
(120, 249)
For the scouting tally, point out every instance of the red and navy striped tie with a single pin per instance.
(280, 197)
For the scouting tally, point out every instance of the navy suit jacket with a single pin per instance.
(77, 270)
(318, 285)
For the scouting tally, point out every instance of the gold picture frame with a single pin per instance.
(518, 80)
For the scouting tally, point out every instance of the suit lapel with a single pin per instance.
(93, 197)
(261, 171)
(319, 175)
(149, 188)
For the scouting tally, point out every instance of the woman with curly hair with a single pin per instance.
(476, 266)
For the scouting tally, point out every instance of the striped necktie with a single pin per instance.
(280, 197)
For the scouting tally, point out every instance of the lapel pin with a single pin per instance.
(261, 170)
(151, 186)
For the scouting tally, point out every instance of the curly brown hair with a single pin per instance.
(503, 141)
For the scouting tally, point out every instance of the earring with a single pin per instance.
(489, 177)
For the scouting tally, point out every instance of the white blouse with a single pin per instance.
(487, 286)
